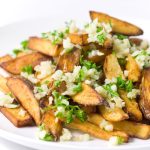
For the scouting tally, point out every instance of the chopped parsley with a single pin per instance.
(65, 110)
(47, 82)
(57, 83)
(44, 135)
(39, 89)
(99, 29)
(17, 51)
(120, 140)
(88, 64)
(122, 61)
(55, 36)
(24, 47)
(78, 87)
(24, 44)
(123, 84)
(81, 76)
(108, 88)
(101, 38)
(121, 37)
(28, 69)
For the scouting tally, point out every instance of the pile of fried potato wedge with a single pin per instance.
(95, 80)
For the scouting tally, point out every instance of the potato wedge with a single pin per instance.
(88, 109)
(88, 96)
(118, 26)
(116, 114)
(12, 114)
(5, 58)
(15, 66)
(95, 130)
(79, 38)
(112, 68)
(100, 59)
(133, 69)
(131, 107)
(3, 85)
(67, 61)
(44, 46)
(136, 41)
(24, 94)
(50, 124)
(133, 129)
(145, 94)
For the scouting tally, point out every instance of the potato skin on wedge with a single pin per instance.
(145, 94)
(136, 41)
(95, 131)
(50, 124)
(88, 96)
(118, 26)
(131, 107)
(134, 72)
(111, 67)
(67, 61)
(44, 46)
(15, 66)
(22, 89)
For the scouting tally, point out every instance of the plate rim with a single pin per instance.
(12, 136)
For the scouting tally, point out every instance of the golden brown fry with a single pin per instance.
(44, 46)
(12, 114)
(145, 94)
(79, 38)
(131, 106)
(50, 124)
(134, 129)
(15, 66)
(88, 96)
(67, 61)
(24, 94)
(118, 26)
(3, 86)
(95, 130)
(133, 69)
(112, 68)
(5, 58)
(116, 114)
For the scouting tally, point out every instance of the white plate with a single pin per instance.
(10, 37)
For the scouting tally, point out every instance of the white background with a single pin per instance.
(17, 10)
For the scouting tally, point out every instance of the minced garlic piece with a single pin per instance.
(106, 125)
(22, 112)
(66, 135)
(44, 69)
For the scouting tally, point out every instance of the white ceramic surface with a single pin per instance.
(10, 37)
